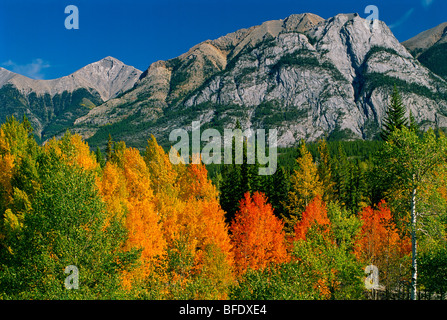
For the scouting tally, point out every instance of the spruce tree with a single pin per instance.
(413, 126)
(278, 191)
(325, 171)
(109, 148)
(99, 157)
(395, 116)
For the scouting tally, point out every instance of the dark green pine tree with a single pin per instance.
(341, 175)
(100, 158)
(109, 148)
(240, 176)
(277, 191)
(26, 124)
(395, 116)
(231, 190)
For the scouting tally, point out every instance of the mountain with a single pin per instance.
(427, 39)
(166, 83)
(305, 76)
(53, 105)
(430, 48)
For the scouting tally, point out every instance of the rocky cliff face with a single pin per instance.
(53, 105)
(305, 76)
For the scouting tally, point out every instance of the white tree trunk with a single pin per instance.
(414, 274)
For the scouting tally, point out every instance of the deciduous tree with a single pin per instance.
(305, 185)
(409, 165)
(257, 235)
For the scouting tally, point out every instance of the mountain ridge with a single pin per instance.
(426, 39)
(82, 78)
(307, 76)
(430, 48)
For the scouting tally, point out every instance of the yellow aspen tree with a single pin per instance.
(73, 150)
(305, 185)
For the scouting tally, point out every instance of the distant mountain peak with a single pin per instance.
(109, 76)
(427, 39)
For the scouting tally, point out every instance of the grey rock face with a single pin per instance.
(339, 73)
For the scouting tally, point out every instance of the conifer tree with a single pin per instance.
(395, 116)
(109, 148)
(413, 126)
(325, 171)
(99, 157)
(278, 190)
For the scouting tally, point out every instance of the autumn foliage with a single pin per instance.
(162, 233)
(314, 215)
(257, 235)
(379, 238)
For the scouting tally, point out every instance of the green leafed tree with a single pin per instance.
(66, 224)
(410, 166)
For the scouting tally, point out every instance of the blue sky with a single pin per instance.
(35, 42)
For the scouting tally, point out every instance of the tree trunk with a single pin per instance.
(413, 246)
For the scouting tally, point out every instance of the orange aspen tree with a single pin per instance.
(199, 191)
(195, 228)
(142, 220)
(379, 237)
(381, 245)
(257, 234)
(125, 187)
(315, 214)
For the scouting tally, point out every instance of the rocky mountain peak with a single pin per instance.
(5, 76)
(108, 76)
(301, 22)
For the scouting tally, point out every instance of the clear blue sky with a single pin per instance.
(35, 42)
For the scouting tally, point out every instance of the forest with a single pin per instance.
(136, 226)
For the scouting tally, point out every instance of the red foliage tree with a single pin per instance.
(315, 214)
(257, 234)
